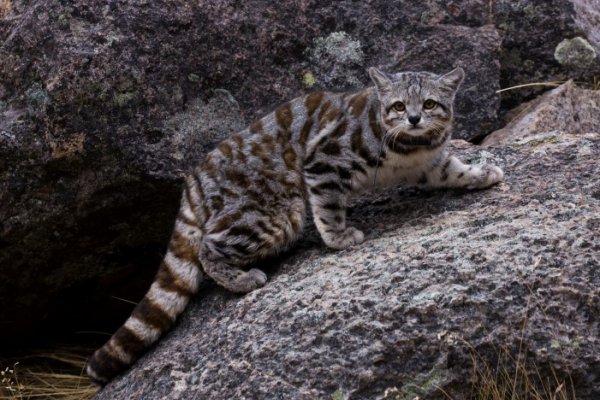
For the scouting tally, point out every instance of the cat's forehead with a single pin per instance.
(413, 77)
(414, 83)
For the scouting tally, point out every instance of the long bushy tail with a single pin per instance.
(176, 281)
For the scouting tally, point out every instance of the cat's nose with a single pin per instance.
(414, 119)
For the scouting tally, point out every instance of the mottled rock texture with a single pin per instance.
(441, 275)
(588, 20)
(104, 103)
(575, 52)
(566, 109)
(531, 32)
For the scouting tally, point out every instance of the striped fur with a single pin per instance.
(248, 198)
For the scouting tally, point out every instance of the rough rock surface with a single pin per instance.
(566, 109)
(104, 103)
(531, 33)
(587, 19)
(442, 274)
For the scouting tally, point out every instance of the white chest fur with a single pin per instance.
(398, 169)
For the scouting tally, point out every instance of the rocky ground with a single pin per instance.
(441, 276)
(103, 105)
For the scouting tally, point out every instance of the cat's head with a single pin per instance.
(416, 107)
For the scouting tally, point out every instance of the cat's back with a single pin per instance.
(279, 137)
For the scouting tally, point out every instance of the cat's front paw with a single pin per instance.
(344, 239)
(492, 175)
(484, 176)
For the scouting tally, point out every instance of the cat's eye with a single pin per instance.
(429, 104)
(399, 106)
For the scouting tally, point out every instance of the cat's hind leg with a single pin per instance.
(234, 278)
(240, 239)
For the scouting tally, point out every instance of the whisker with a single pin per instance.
(383, 141)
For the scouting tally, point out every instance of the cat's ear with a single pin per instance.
(380, 79)
(453, 79)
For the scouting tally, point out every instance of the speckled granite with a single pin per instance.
(566, 109)
(103, 103)
(441, 274)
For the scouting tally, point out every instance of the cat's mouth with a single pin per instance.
(415, 131)
(417, 136)
(410, 140)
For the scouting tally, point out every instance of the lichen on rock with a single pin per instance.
(339, 59)
(37, 99)
(576, 52)
(338, 46)
(203, 124)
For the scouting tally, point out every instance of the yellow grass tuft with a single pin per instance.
(515, 378)
(5, 8)
(593, 84)
(53, 375)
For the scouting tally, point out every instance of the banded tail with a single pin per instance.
(177, 280)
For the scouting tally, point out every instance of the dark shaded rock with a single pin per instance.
(531, 33)
(103, 104)
(442, 274)
(566, 109)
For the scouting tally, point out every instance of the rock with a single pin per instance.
(566, 109)
(531, 33)
(5, 8)
(576, 52)
(588, 20)
(103, 104)
(443, 276)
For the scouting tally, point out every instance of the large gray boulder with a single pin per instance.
(442, 277)
(538, 43)
(104, 103)
(566, 109)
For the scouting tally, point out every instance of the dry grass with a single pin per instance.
(593, 84)
(513, 377)
(5, 8)
(532, 84)
(55, 375)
